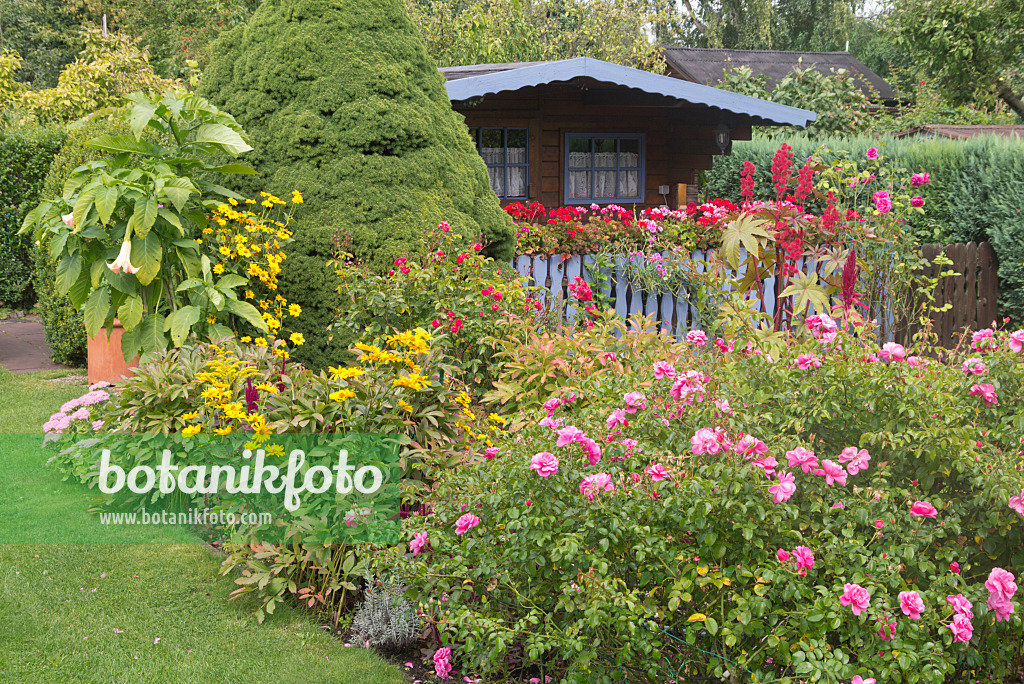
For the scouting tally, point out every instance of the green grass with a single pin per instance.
(92, 612)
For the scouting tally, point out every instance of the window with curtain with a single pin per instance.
(604, 168)
(504, 150)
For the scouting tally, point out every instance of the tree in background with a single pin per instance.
(807, 25)
(343, 103)
(44, 33)
(483, 31)
(973, 48)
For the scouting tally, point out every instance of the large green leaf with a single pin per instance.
(96, 309)
(139, 116)
(131, 343)
(172, 218)
(180, 323)
(130, 313)
(80, 289)
(145, 215)
(121, 143)
(106, 200)
(222, 136)
(146, 255)
(83, 205)
(233, 168)
(177, 191)
(249, 313)
(806, 290)
(68, 270)
(230, 281)
(745, 231)
(151, 333)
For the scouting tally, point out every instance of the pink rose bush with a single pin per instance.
(864, 508)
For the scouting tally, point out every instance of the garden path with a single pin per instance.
(23, 347)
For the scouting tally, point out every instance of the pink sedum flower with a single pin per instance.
(802, 457)
(911, 604)
(418, 543)
(987, 392)
(592, 485)
(923, 509)
(784, 489)
(465, 523)
(855, 596)
(656, 472)
(544, 463)
(804, 558)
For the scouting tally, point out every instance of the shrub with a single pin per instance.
(976, 192)
(343, 104)
(25, 157)
(645, 526)
(62, 321)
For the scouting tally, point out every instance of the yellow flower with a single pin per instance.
(346, 373)
(211, 319)
(404, 405)
(495, 418)
(191, 430)
(258, 423)
(297, 339)
(267, 387)
(225, 251)
(296, 197)
(342, 395)
(191, 415)
(260, 342)
(413, 381)
(218, 269)
(294, 310)
(249, 294)
(223, 431)
(233, 201)
(246, 339)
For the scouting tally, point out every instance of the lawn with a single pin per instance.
(154, 612)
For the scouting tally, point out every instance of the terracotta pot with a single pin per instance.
(106, 362)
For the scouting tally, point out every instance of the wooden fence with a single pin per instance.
(973, 294)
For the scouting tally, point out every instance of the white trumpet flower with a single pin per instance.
(123, 261)
(69, 220)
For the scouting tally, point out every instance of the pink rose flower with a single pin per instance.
(635, 401)
(888, 630)
(568, 435)
(784, 489)
(858, 680)
(872, 153)
(657, 472)
(465, 523)
(923, 509)
(664, 369)
(911, 604)
(549, 422)
(418, 543)
(544, 463)
(442, 662)
(879, 524)
(917, 201)
(856, 597)
(491, 452)
(804, 558)
(1016, 341)
(592, 485)
(1017, 502)
(749, 446)
(768, 464)
(551, 404)
(892, 352)
(805, 361)
(961, 605)
(983, 339)
(616, 418)
(697, 337)
(802, 457)
(954, 568)
(856, 460)
(592, 449)
(1001, 583)
(987, 392)
(962, 628)
(974, 366)
(782, 555)
(834, 473)
(1001, 606)
(918, 179)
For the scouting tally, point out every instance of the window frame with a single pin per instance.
(641, 169)
(476, 132)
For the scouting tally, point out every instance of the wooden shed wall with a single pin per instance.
(679, 138)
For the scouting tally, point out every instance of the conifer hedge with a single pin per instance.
(976, 191)
(343, 103)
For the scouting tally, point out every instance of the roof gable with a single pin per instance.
(509, 77)
(708, 66)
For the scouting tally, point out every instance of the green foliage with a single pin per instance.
(45, 34)
(815, 25)
(973, 47)
(486, 31)
(143, 204)
(661, 578)
(975, 193)
(25, 157)
(841, 106)
(344, 104)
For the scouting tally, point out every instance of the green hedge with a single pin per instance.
(976, 191)
(25, 157)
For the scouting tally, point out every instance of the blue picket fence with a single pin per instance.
(675, 312)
